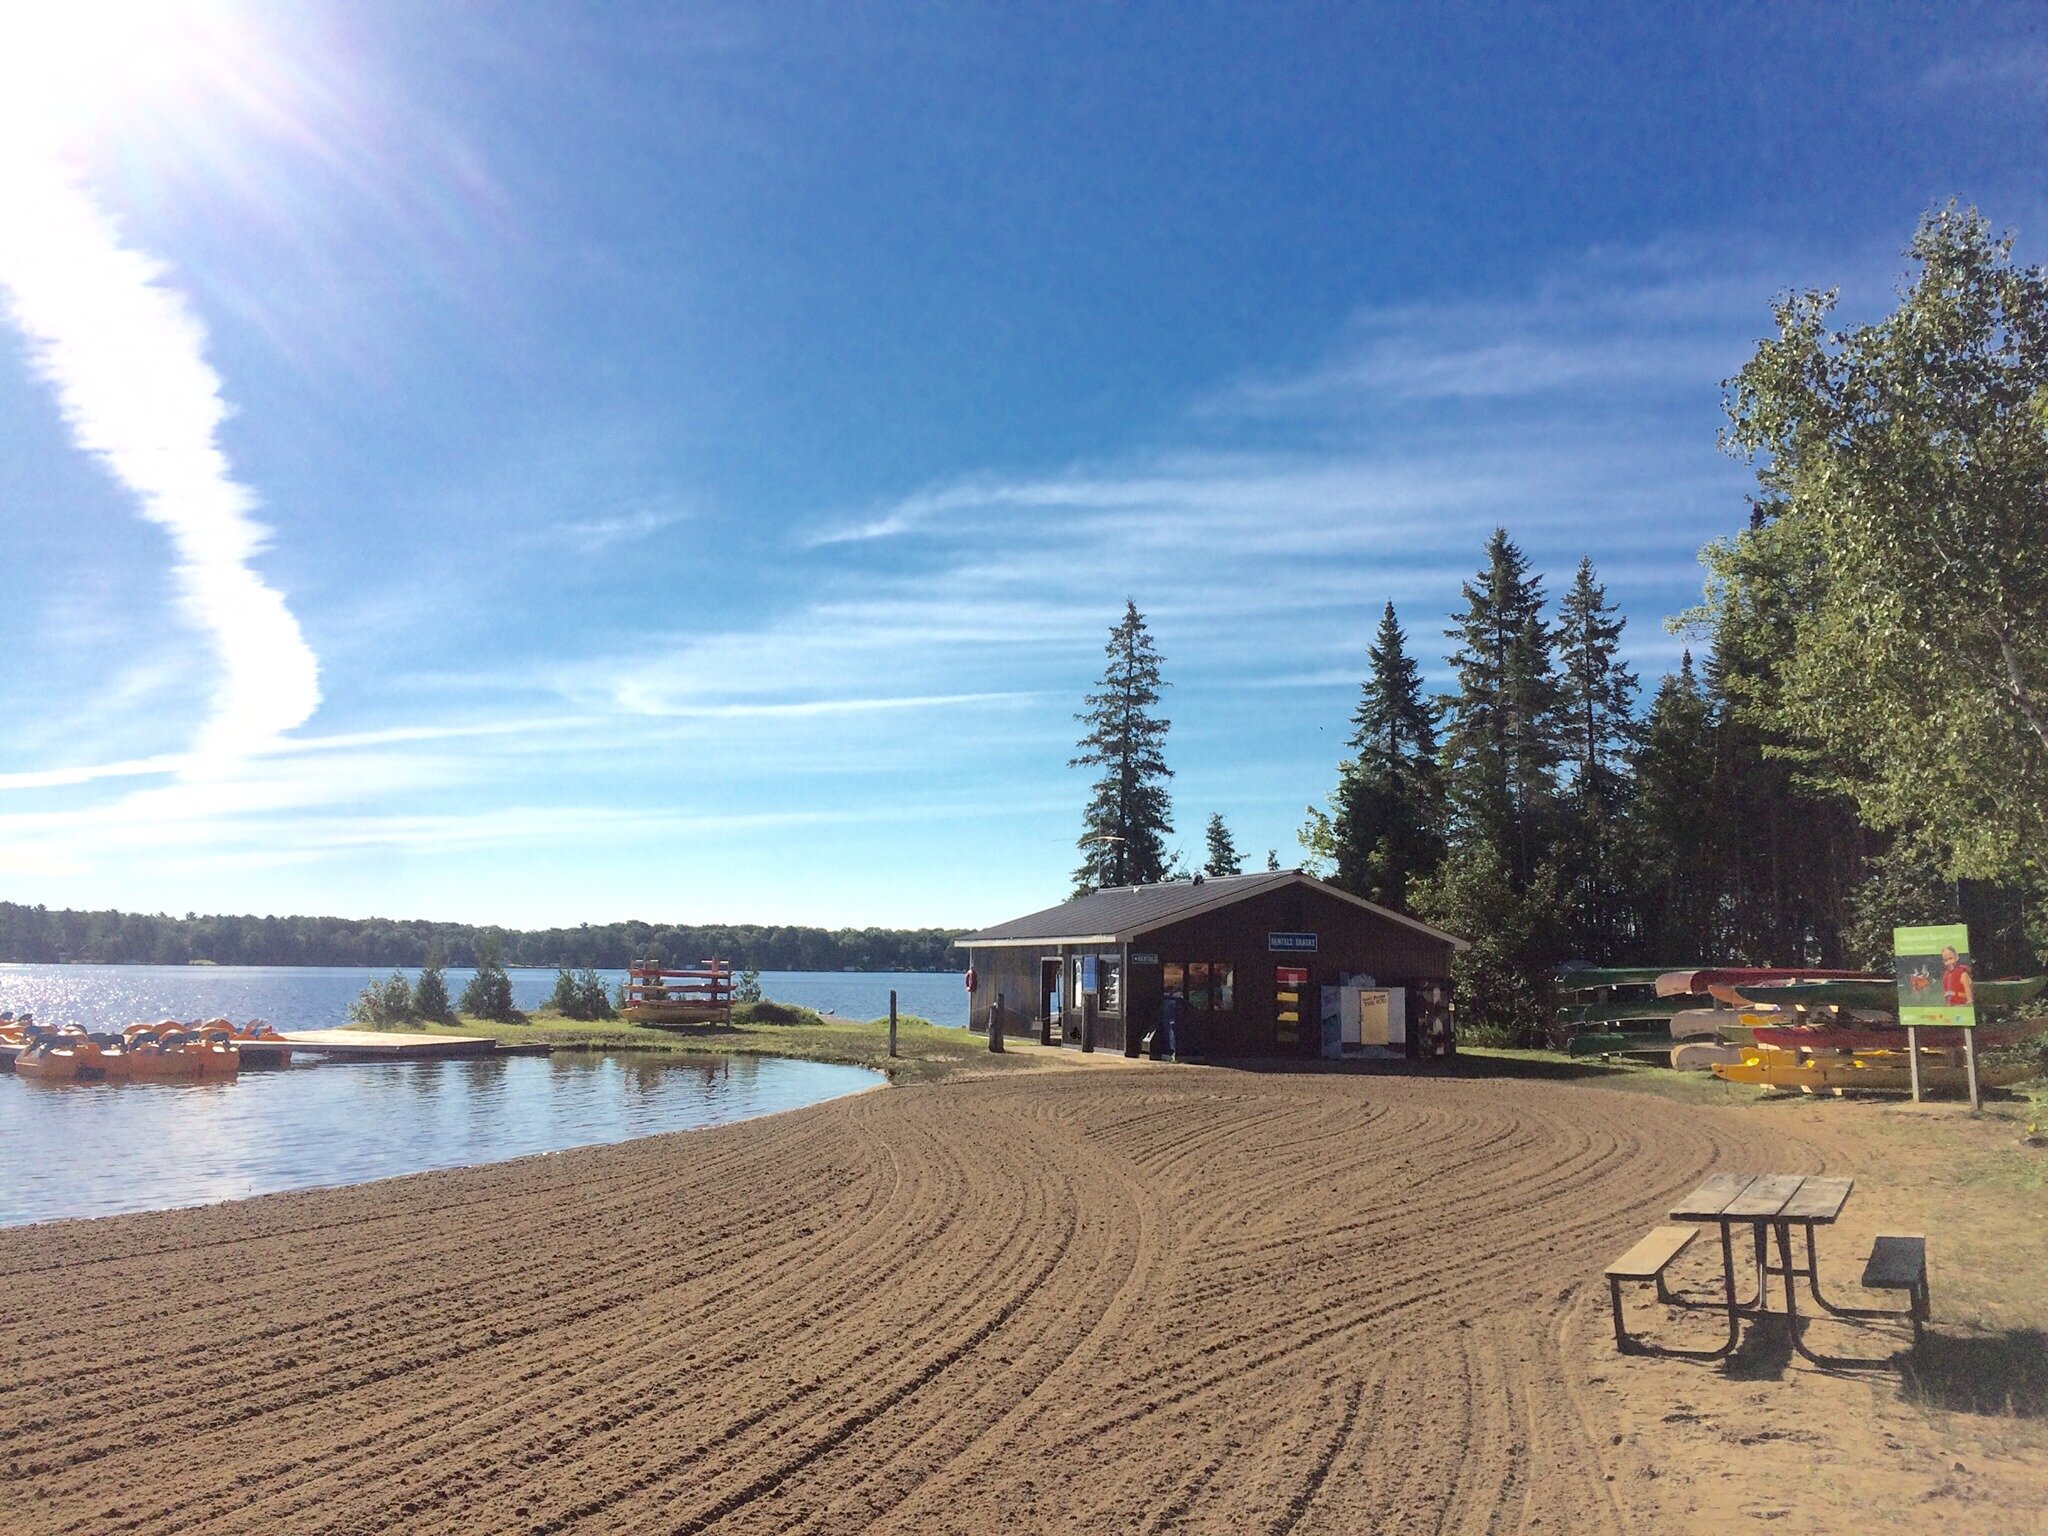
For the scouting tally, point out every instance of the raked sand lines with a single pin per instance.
(1166, 1298)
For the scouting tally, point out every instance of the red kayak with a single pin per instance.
(1844, 1037)
(1680, 983)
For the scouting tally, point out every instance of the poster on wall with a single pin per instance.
(1936, 987)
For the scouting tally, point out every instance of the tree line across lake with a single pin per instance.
(1861, 740)
(40, 935)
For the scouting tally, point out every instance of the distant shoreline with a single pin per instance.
(33, 935)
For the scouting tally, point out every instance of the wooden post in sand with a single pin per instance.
(1087, 1023)
(1970, 1061)
(892, 1021)
(995, 1025)
(1913, 1058)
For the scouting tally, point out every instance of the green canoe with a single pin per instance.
(1621, 1010)
(1605, 1044)
(1883, 996)
(1592, 978)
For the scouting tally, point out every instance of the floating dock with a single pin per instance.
(385, 1045)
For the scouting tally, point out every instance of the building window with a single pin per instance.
(1204, 985)
(1109, 984)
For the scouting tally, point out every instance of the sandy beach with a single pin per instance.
(1145, 1299)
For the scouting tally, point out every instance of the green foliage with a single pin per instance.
(1600, 733)
(748, 987)
(40, 935)
(1272, 858)
(430, 993)
(580, 995)
(1675, 877)
(1223, 858)
(1128, 820)
(776, 1013)
(1473, 894)
(1898, 555)
(565, 999)
(1385, 825)
(489, 993)
(1503, 731)
(384, 1002)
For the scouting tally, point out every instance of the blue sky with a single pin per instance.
(538, 463)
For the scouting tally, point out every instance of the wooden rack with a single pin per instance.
(701, 994)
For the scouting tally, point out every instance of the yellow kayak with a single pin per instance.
(1875, 1072)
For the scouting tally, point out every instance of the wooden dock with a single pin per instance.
(386, 1045)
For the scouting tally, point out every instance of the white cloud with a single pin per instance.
(592, 535)
(126, 358)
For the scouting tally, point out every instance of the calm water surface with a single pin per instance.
(97, 1149)
(317, 997)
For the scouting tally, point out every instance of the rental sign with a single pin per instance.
(1291, 943)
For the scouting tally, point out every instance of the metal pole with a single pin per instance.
(1913, 1058)
(1124, 1001)
(1970, 1061)
(995, 1025)
(892, 1021)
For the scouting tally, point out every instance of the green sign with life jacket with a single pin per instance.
(1936, 986)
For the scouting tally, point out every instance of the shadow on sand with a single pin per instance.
(2004, 1374)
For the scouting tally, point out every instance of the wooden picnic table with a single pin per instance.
(1770, 1205)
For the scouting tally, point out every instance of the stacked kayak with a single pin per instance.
(1868, 1071)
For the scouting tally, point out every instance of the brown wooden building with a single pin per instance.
(1246, 959)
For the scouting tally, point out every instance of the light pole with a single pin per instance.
(1110, 837)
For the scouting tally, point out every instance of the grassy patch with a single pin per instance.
(926, 1051)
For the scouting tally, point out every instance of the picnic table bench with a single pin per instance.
(1770, 1205)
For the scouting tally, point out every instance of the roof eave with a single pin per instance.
(975, 942)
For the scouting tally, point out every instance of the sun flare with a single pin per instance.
(74, 69)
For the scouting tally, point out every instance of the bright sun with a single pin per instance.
(70, 69)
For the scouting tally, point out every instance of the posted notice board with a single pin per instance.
(1936, 986)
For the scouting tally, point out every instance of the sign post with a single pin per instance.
(1937, 990)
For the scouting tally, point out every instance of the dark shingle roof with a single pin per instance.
(1122, 913)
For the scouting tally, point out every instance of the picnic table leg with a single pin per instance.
(1784, 1230)
(1728, 1285)
(1813, 1285)
(1825, 1362)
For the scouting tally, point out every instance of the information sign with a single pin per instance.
(1936, 986)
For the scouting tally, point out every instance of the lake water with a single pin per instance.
(93, 1150)
(317, 997)
(98, 1149)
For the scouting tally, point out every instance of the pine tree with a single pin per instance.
(1223, 855)
(489, 993)
(1502, 744)
(1385, 825)
(1600, 731)
(1128, 818)
(1273, 859)
(430, 993)
(1668, 833)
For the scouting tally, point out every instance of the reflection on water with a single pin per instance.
(95, 1149)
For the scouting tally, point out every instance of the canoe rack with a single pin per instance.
(700, 994)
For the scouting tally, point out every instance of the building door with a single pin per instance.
(1048, 998)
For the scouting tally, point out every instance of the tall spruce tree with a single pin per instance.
(1128, 819)
(1224, 858)
(1503, 737)
(1600, 732)
(1386, 817)
(1503, 742)
(1669, 837)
